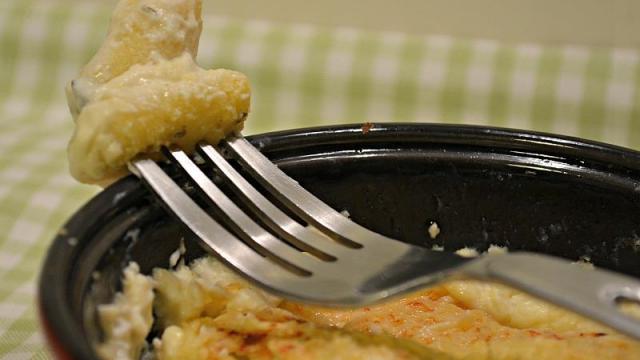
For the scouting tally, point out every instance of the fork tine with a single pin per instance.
(303, 237)
(243, 225)
(303, 203)
(228, 248)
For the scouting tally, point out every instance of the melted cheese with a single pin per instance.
(140, 30)
(143, 90)
(169, 102)
(438, 320)
(210, 313)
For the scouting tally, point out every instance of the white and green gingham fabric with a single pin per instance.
(301, 76)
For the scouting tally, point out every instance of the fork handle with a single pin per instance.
(594, 293)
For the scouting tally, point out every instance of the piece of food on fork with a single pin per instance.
(144, 90)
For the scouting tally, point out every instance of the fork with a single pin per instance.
(333, 261)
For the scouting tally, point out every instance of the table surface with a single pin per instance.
(301, 76)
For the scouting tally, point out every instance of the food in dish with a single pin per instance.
(143, 90)
(205, 311)
(127, 321)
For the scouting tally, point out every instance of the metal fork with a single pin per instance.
(334, 261)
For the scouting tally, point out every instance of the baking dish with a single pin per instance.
(482, 186)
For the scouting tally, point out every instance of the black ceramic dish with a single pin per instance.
(529, 191)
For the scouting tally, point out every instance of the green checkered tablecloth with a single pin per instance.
(301, 75)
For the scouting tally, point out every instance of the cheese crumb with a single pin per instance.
(434, 230)
(467, 252)
(497, 250)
